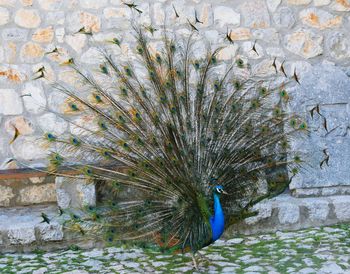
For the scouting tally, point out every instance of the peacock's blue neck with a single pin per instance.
(217, 221)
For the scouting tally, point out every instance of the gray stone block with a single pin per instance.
(288, 213)
(342, 207)
(329, 87)
(50, 232)
(21, 235)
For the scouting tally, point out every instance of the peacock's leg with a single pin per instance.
(195, 265)
(204, 258)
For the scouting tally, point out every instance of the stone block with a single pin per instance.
(264, 210)
(6, 194)
(14, 34)
(338, 45)
(31, 52)
(36, 102)
(320, 19)
(4, 16)
(342, 207)
(23, 125)
(10, 102)
(75, 193)
(37, 194)
(288, 213)
(240, 34)
(27, 18)
(29, 148)
(328, 86)
(273, 4)
(318, 208)
(340, 5)
(50, 232)
(49, 122)
(21, 235)
(284, 18)
(226, 16)
(44, 35)
(256, 14)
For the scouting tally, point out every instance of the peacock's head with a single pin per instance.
(219, 190)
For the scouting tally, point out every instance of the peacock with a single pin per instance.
(179, 143)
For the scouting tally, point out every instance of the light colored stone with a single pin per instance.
(10, 102)
(225, 16)
(341, 207)
(82, 19)
(23, 125)
(338, 45)
(44, 35)
(319, 19)
(264, 210)
(29, 148)
(6, 195)
(275, 52)
(31, 52)
(317, 208)
(340, 5)
(50, 232)
(60, 32)
(86, 194)
(37, 180)
(299, 2)
(49, 122)
(305, 192)
(240, 34)
(27, 18)
(4, 16)
(318, 3)
(76, 41)
(284, 18)
(247, 48)
(14, 34)
(55, 17)
(92, 56)
(26, 3)
(264, 69)
(8, 3)
(36, 194)
(21, 235)
(255, 13)
(34, 98)
(304, 43)
(2, 54)
(228, 53)
(93, 4)
(288, 213)
(158, 14)
(331, 268)
(269, 35)
(273, 4)
(50, 4)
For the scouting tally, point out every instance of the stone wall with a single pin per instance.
(46, 33)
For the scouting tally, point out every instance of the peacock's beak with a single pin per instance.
(224, 192)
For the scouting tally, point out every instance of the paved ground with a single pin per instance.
(319, 250)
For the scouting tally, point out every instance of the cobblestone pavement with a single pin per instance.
(317, 250)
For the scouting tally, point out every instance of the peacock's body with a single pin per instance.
(166, 135)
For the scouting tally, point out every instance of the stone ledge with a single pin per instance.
(286, 212)
(320, 191)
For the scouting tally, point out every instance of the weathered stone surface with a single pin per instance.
(49, 122)
(27, 18)
(29, 148)
(31, 52)
(269, 35)
(10, 102)
(240, 34)
(284, 18)
(44, 35)
(226, 16)
(27, 3)
(340, 5)
(82, 19)
(11, 75)
(93, 4)
(264, 211)
(318, 3)
(317, 209)
(14, 34)
(21, 235)
(304, 43)
(50, 232)
(23, 125)
(247, 48)
(319, 19)
(4, 16)
(34, 98)
(273, 4)
(37, 194)
(338, 45)
(86, 193)
(299, 2)
(341, 207)
(288, 213)
(255, 13)
(158, 13)
(50, 4)
(328, 86)
(76, 41)
(228, 52)
(92, 56)
(55, 17)
(264, 69)
(6, 194)
(275, 52)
